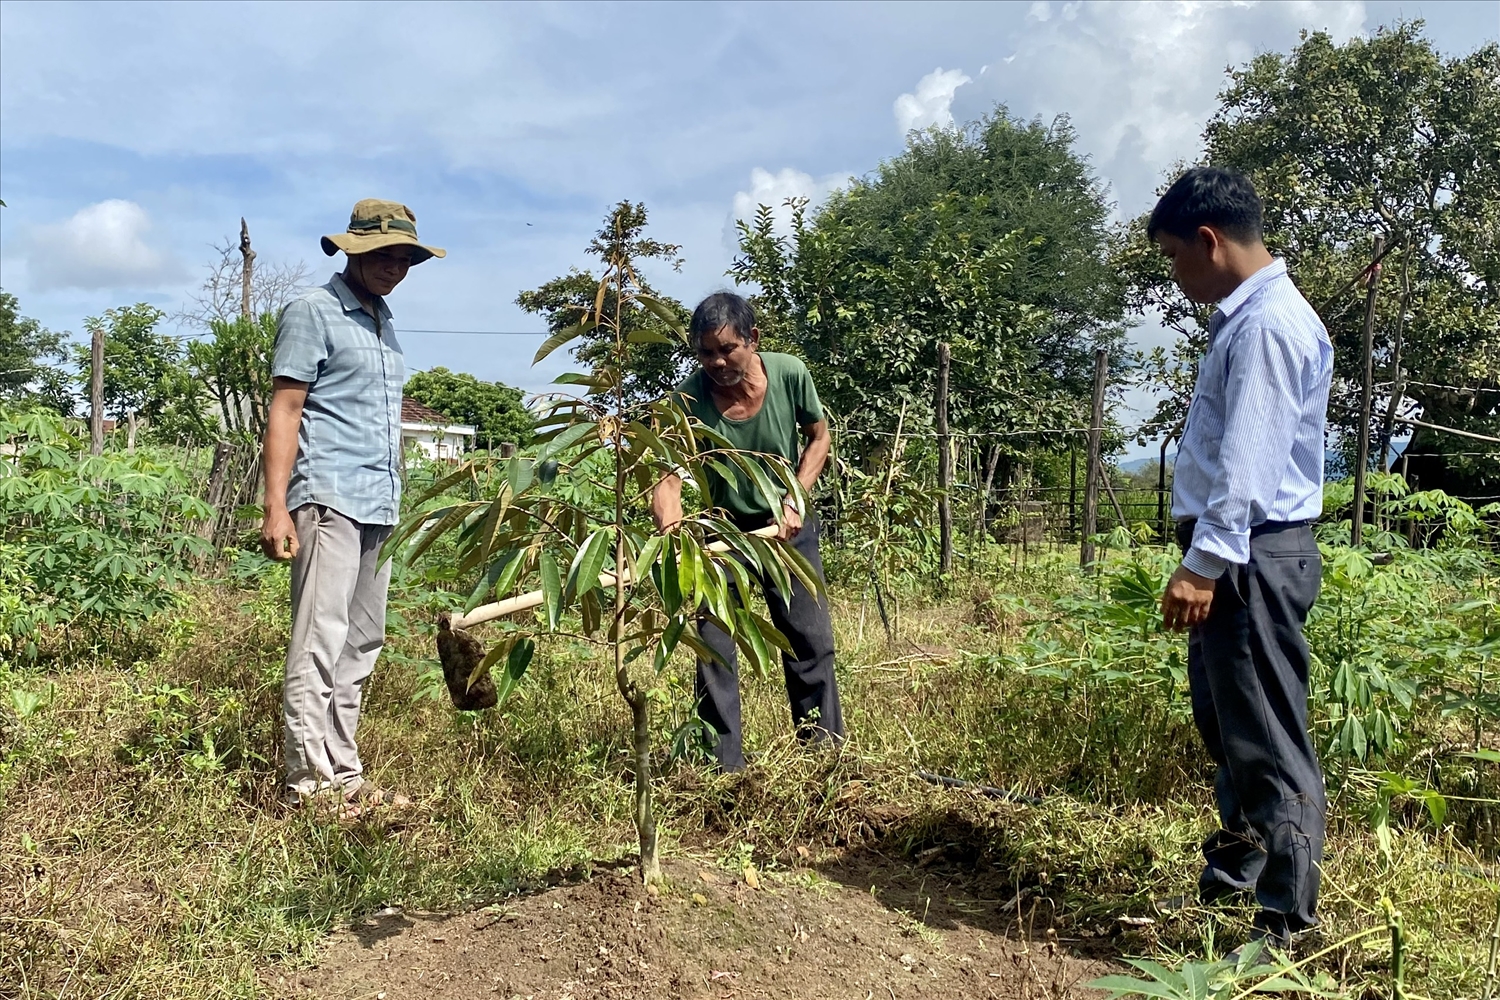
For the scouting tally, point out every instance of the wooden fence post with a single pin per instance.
(1161, 491)
(96, 390)
(1073, 491)
(1357, 523)
(945, 463)
(991, 461)
(1092, 470)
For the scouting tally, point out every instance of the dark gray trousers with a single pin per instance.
(1247, 669)
(810, 685)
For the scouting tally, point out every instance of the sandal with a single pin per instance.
(368, 795)
(325, 804)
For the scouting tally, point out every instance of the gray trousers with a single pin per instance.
(811, 689)
(338, 627)
(1247, 669)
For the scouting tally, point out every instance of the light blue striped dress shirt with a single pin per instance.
(349, 442)
(1252, 450)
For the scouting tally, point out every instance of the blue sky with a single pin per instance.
(134, 136)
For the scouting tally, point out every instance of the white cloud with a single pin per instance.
(101, 246)
(932, 103)
(1140, 80)
(773, 190)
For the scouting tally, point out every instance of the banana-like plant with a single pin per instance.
(606, 575)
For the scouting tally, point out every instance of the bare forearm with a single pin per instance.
(280, 445)
(814, 455)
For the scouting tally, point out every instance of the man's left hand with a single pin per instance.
(791, 522)
(1187, 600)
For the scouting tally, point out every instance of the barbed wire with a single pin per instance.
(927, 433)
(1435, 385)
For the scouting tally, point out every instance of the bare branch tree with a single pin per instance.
(221, 295)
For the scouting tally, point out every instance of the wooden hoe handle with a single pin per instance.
(525, 602)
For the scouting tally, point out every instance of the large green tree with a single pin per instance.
(27, 349)
(145, 374)
(656, 363)
(993, 238)
(1380, 136)
(494, 408)
(235, 367)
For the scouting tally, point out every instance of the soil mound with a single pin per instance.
(706, 933)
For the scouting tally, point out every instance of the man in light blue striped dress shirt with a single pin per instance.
(1247, 485)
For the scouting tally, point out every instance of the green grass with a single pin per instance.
(141, 854)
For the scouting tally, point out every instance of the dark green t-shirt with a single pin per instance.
(791, 404)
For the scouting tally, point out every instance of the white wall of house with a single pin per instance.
(437, 442)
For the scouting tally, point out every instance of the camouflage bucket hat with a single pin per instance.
(375, 224)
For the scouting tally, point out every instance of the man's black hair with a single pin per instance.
(719, 310)
(1209, 196)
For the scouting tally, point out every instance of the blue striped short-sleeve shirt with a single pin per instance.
(349, 442)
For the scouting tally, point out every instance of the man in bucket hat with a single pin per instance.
(333, 492)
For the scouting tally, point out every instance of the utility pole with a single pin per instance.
(945, 463)
(247, 268)
(1092, 470)
(96, 389)
(1357, 523)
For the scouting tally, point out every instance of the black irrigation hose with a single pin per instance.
(987, 790)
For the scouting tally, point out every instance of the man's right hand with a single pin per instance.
(278, 535)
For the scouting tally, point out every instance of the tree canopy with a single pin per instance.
(145, 374)
(235, 367)
(493, 408)
(27, 376)
(993, 238)
(656, 364)
(1380, 136)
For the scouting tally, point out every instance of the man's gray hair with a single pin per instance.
(719, 310)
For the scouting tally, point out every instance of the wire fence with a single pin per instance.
(1021, 511)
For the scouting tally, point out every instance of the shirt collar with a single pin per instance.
(351, 302)
(1231, 302)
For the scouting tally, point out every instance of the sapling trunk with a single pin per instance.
(633, 693)
(1490, 969)
(645, 817)
(640, 706)
(1398, 951)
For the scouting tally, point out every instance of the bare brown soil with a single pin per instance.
(862, 929)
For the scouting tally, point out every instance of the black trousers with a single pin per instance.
(1247, 669)
(810, 685)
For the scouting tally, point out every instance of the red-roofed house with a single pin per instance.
(432, 433)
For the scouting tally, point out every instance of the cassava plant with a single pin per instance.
(606, 576)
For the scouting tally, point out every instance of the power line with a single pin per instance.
(403, 331)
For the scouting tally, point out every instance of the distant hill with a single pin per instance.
(1137, 464)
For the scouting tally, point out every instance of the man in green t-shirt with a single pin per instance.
(762, 403)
